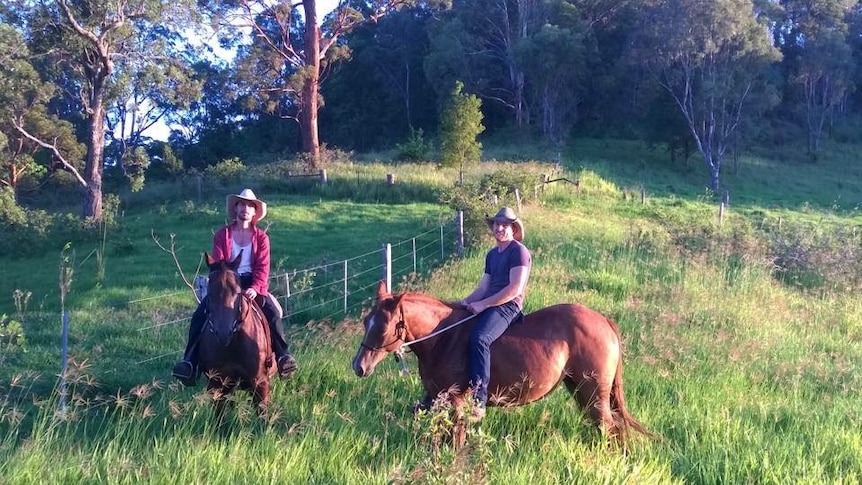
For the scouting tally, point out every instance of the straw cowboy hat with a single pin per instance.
(248, 196)
(507, 215)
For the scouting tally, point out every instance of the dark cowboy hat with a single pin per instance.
(248, 196)
(507, 215)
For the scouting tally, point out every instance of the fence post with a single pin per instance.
(387, 266)
(390, 179)
(65, 345)
(323, 178)
(287, 291)
(721, 213)
(414, 254)
(518, 199)
(345, 287)
(442, 245)
(459, 228)
(643, 195)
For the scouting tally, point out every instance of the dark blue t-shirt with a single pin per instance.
(498, 264)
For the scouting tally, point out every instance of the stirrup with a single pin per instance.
(286, 365)
(184, 372)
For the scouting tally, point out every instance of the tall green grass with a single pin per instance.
(747, 378)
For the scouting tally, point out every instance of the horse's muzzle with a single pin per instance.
(363, 364)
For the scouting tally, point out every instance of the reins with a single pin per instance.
(432, 334)
(239, 315)
(400, 331)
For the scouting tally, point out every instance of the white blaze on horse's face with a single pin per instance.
(370, 323)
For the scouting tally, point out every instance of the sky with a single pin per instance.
(160, 131)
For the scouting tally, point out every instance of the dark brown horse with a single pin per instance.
(568, 343)
(235, 351)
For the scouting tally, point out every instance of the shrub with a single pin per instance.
(416, 149)
(226, 170)
(817, 257)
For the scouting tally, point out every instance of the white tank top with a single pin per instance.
(245, 262)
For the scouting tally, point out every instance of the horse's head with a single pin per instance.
(223, 298)
(385, 332)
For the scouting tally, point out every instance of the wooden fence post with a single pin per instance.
(390, 179)
(323, 178)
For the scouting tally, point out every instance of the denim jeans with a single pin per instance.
(491, 325)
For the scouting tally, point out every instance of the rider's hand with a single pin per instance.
(250, 293)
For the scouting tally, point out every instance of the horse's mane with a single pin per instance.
(458, 311)
(422, 298)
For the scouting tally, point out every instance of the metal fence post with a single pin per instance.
(442, 254)
(459, 227)
(414, 254)
(345, 287)
(65, 345)
(387, 266)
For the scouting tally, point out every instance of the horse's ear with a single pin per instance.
(235, 263)
(381, 290)
(209, 259)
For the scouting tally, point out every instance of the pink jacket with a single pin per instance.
(259, 258)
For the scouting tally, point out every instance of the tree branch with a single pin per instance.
(172, 251)
(53, 149)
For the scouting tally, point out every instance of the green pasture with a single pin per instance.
(749, 378)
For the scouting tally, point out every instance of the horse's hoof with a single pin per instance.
(477, 413)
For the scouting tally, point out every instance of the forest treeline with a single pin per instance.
(81, 81)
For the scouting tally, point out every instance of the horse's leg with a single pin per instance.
(424, 404)
(593, 395)
(218, 393)
(260, 395)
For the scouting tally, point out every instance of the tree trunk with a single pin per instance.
(95, 159)
(311, 84)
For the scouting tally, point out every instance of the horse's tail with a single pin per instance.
(622, 418)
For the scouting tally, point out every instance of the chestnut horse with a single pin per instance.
(568, 343)
(234, 347)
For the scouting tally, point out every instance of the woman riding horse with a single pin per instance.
(242, 237)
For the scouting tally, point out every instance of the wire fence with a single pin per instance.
(338, 289)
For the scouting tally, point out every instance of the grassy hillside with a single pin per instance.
(750, 374)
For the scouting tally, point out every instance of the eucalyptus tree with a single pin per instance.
(148, 90)
(291, 51)
(477, 45)
(26, 128)
(382, 95)
(554, 60)
(711, 57)
(90, 40)
(814, 38)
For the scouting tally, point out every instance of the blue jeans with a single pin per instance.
(491, 325)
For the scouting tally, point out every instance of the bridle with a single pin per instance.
(400, 333)
(239, 315)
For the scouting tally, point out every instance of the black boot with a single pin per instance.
(285, 363)
(186, 371)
